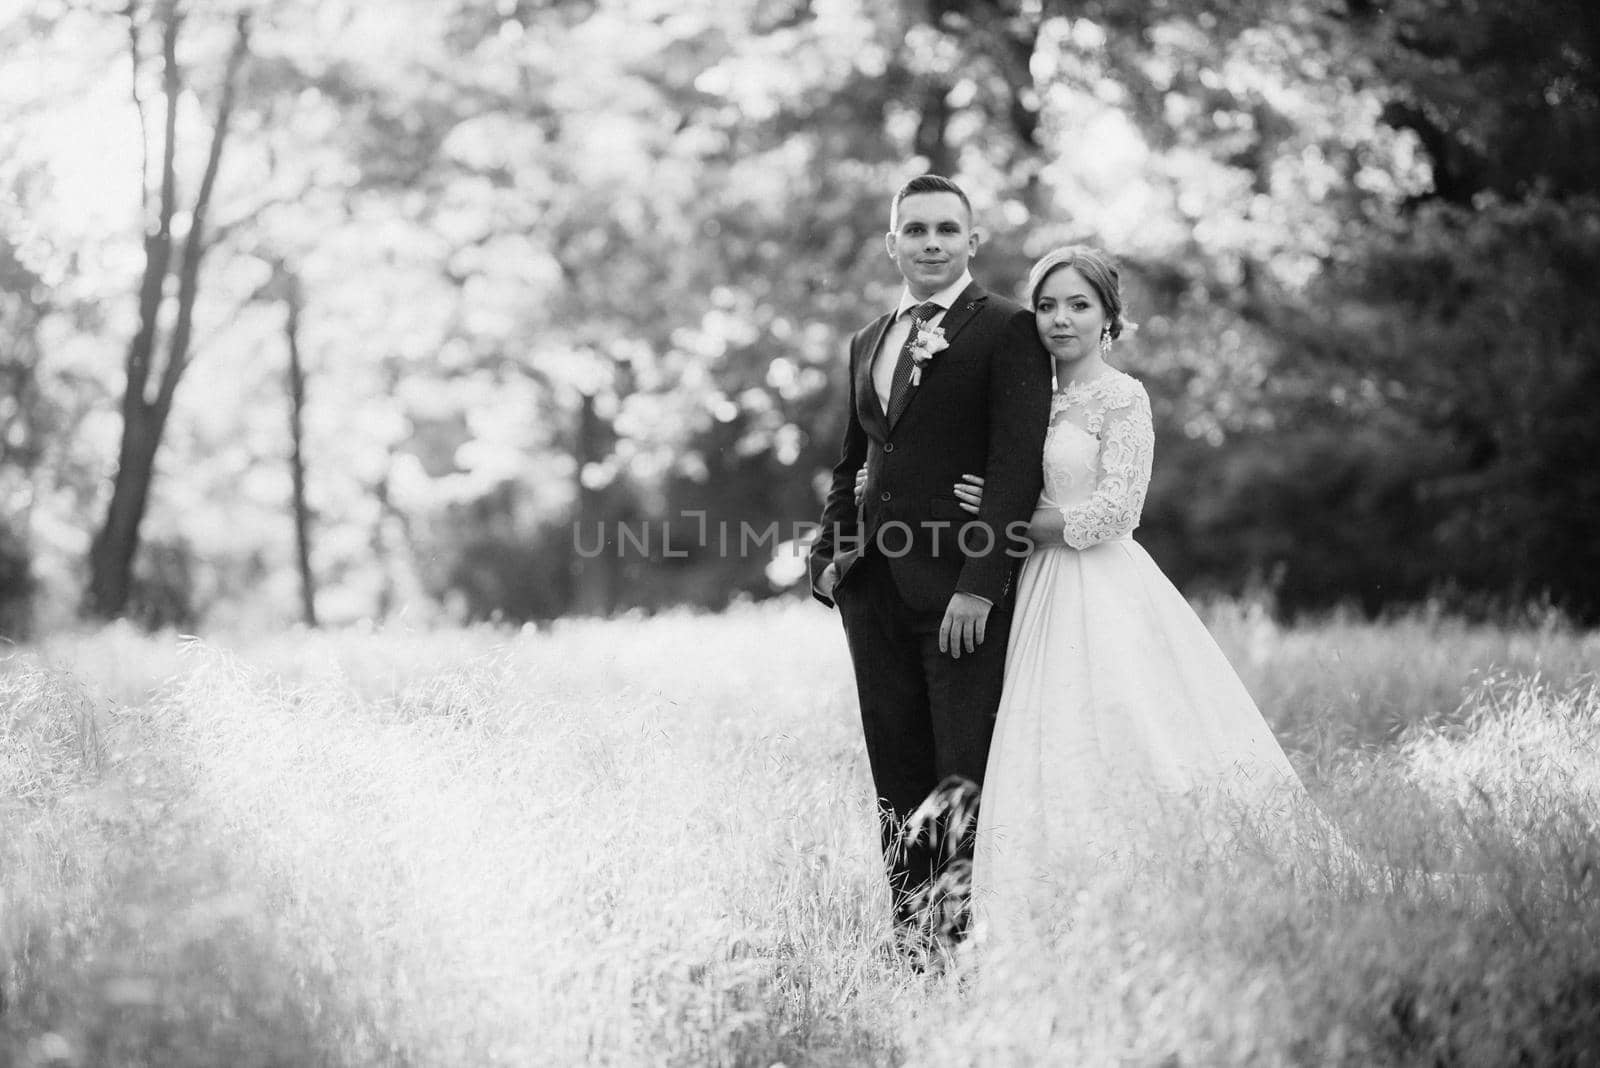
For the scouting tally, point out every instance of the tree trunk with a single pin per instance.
(931, 142)
(594, 559)
(144, 417)
(390, 527)
(297, 462)
(112, 552)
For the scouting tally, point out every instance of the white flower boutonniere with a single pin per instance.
(929, 340)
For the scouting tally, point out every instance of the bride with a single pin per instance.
(1122, 729)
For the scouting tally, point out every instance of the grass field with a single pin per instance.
(649, 841)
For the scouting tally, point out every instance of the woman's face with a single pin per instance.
(1069, 315)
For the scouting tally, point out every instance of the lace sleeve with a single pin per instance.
(1127, 450)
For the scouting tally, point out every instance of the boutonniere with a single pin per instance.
(928, 341)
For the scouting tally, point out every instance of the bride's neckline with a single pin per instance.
(1074, 387)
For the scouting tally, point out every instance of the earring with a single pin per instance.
(1105, 341)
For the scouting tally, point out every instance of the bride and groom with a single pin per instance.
(1005, 630)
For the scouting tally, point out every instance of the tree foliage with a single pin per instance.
(589, 264)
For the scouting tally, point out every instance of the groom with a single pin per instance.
(954, 380)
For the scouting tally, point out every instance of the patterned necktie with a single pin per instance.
(900, 383)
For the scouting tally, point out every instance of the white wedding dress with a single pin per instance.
(1122, 728)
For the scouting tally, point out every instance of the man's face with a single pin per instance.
(932, 241)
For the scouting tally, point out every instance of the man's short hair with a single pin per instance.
(927, 183)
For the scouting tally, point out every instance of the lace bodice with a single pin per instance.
(1097, 458)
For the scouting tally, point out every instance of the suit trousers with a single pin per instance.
(927, 719)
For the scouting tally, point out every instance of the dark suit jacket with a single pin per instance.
(981, 409)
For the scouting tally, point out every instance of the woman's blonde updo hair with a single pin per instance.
(1097, 267)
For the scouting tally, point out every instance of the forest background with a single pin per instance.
(340, 309)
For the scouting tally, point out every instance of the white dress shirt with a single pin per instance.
(894, 338)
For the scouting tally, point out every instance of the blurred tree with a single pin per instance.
(1468, 311)
(1505, 98)
(593, 263)
(176, 241)
(46, 391)
(793, 124)
(24, 419)
(1476, 327)
(293, 297)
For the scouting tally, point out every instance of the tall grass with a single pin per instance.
(650, 841)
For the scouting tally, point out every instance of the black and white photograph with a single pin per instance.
(799, 533)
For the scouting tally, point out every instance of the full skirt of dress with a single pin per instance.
(1122, 731)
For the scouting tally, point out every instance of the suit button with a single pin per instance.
(883, 496)
(888, 446)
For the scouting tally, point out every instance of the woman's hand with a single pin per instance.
(1047, 527)
(969, 493)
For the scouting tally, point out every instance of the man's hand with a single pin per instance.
(828, 579)
(964, 621)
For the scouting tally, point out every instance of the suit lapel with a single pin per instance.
(868, 408)
(960, 314)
